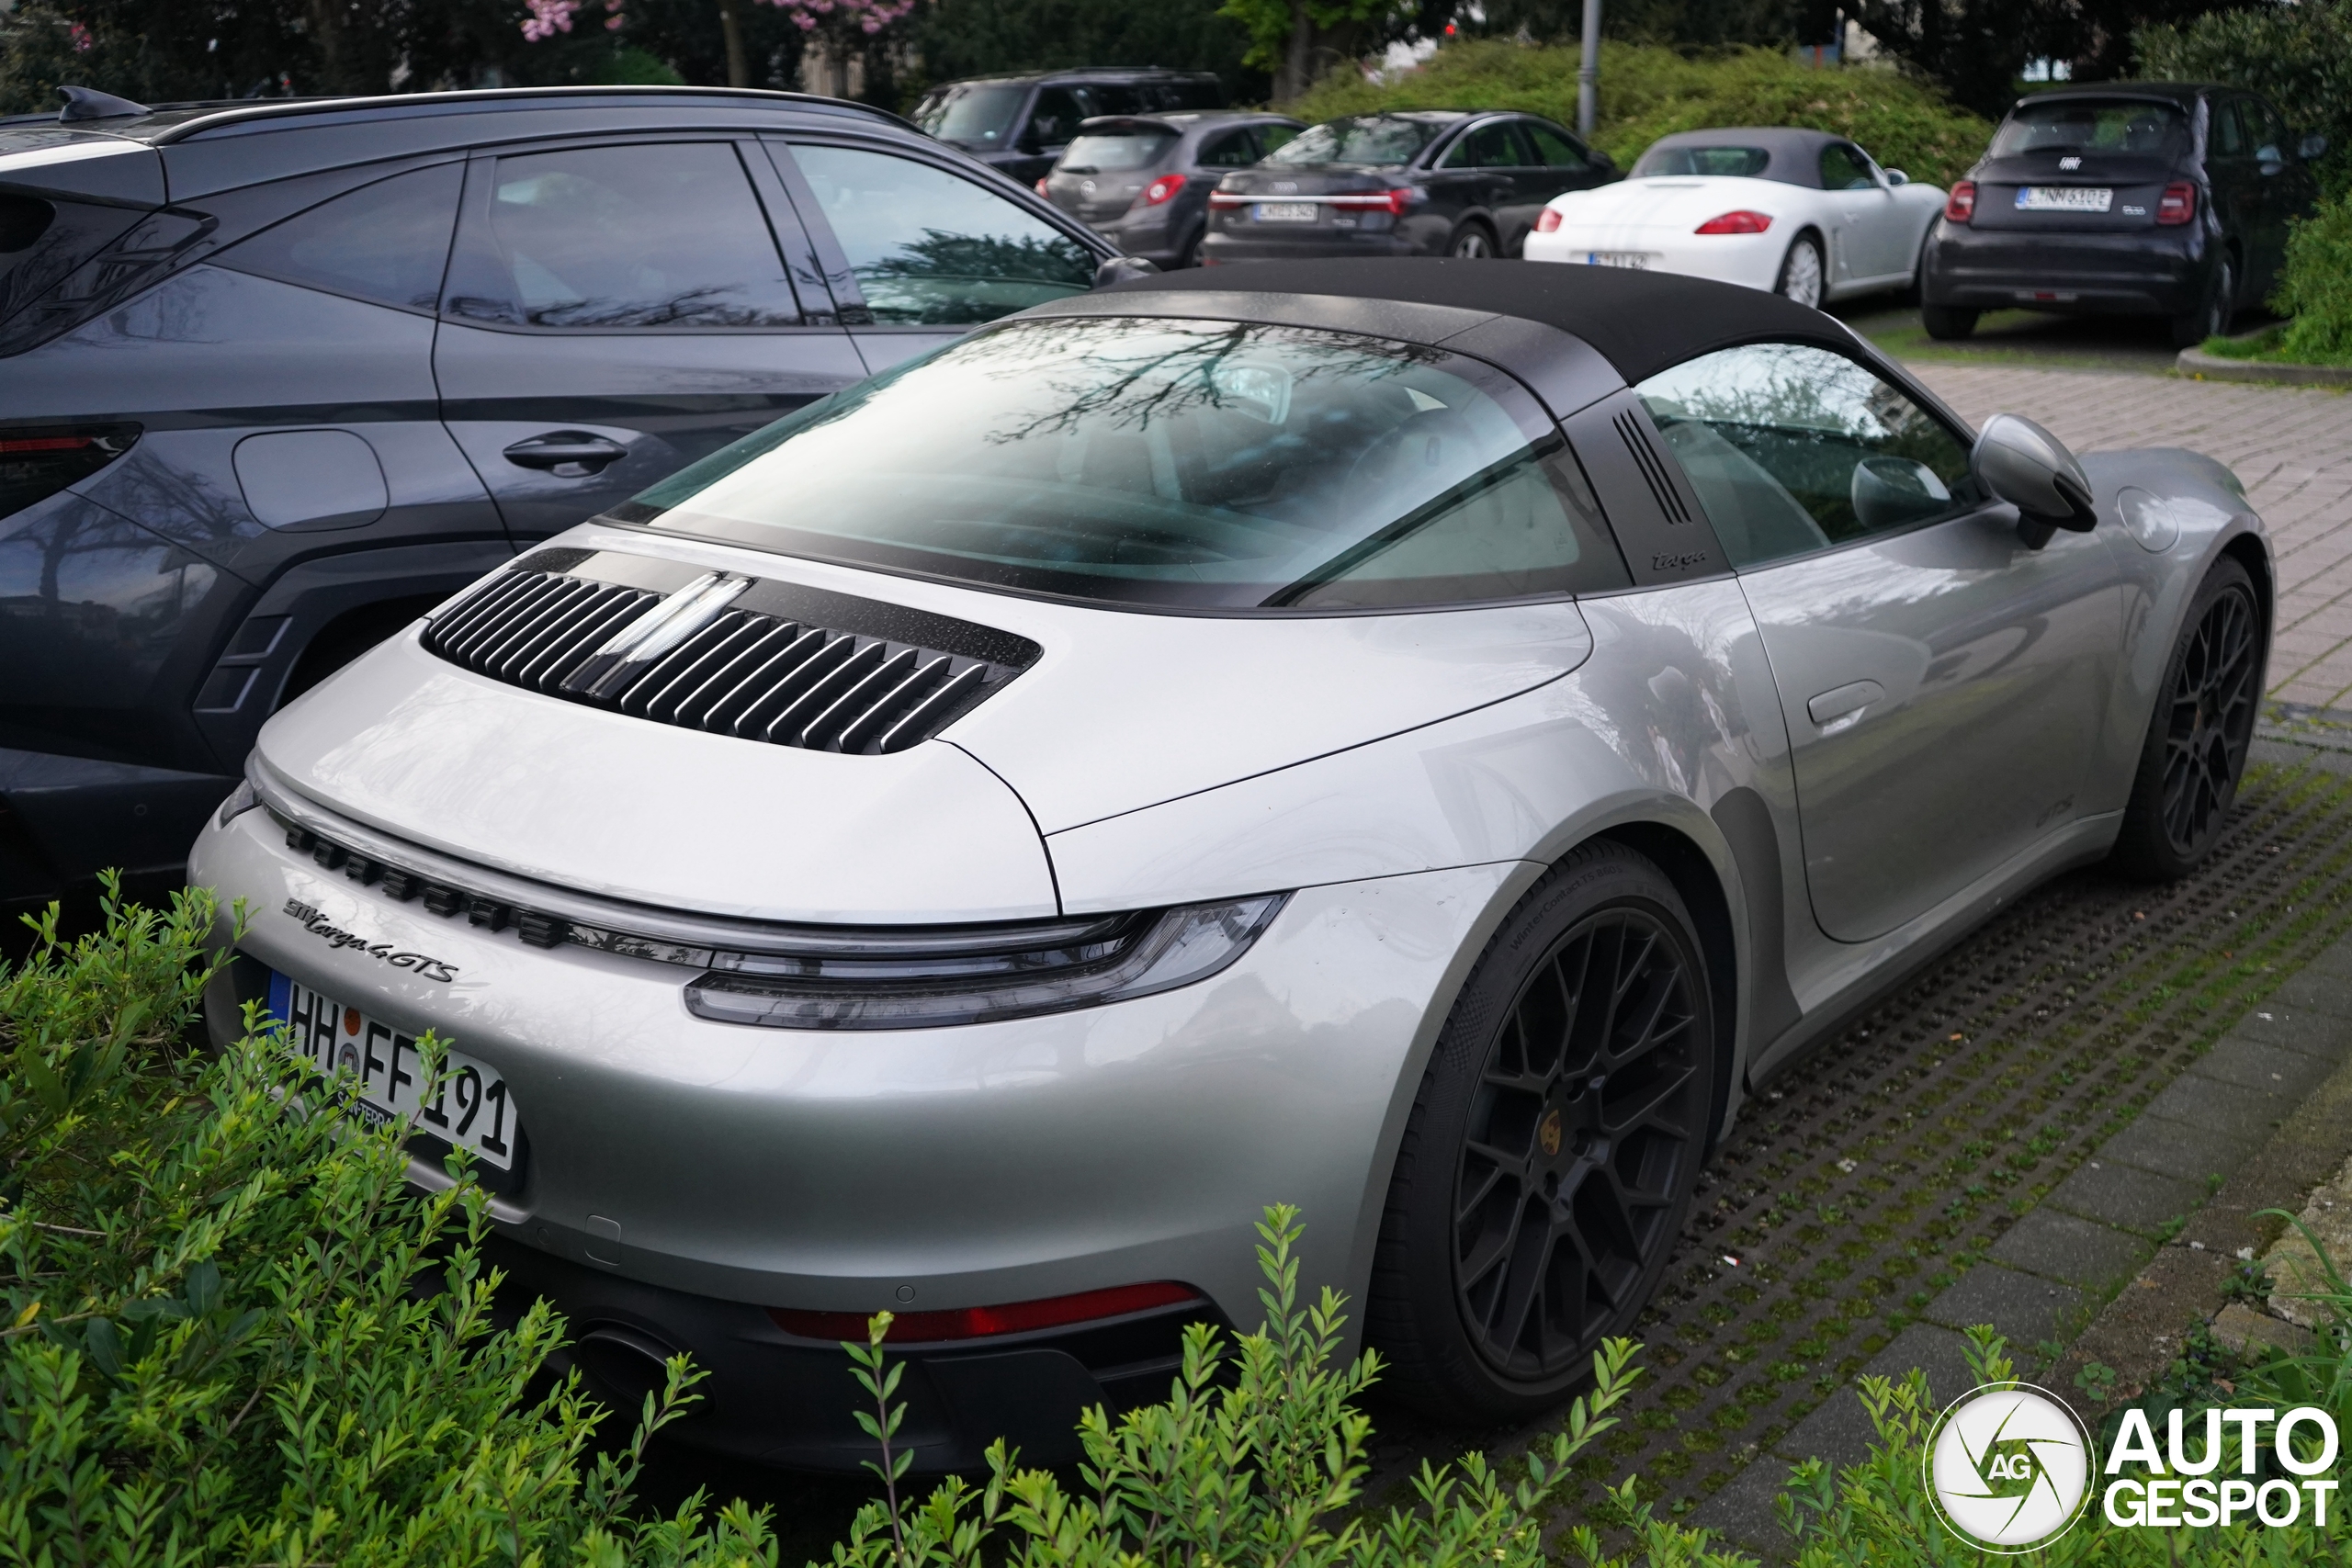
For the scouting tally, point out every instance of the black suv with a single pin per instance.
(1021, 124)
(274, 376)
(2140, 198)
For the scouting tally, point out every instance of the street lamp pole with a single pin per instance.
(1589, 71)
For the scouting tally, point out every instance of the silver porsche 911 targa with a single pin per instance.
(1419, 740)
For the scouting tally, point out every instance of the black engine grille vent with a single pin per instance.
(725, 653)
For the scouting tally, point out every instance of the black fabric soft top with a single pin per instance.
(1640, 321)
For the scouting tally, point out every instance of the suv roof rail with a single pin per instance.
(396, 103)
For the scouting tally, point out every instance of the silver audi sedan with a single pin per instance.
(1416, 739)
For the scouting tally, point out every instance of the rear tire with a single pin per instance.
(2213, 314)
(1549, 1158)
(1803, 275)
(1471, 242)
(1947, 324)
(2198, 736)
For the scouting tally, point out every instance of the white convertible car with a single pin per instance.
(1801, 212)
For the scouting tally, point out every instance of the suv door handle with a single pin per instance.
(568, 454)
(1845, 702)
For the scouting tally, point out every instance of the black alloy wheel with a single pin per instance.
(1471, 242)
(2200, 733)
(1552, 1152)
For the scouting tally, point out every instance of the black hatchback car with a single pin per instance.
(1408, 182)
(1021, 124)
(275, 376)
(1144, 183)
(2138, 199)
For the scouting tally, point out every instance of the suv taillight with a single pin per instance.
(37, 463)
(1961, 205)
(2179, 203)
(1160, 190)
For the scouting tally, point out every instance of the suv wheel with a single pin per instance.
(1550, 1156)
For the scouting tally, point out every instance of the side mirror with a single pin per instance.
(1897, 177)
(1121, 269)
(2018, 461)
(2271, 158)
(2314, 146)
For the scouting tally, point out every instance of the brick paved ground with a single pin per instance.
(2292, 447)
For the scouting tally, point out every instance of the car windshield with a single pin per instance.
(1371, 142)
(1115, 151)
(1747, 163)
(1198, 464)
(980, 116)
(2092, 125)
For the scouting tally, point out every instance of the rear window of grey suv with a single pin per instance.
(1209, 465)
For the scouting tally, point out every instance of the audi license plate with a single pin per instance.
(1637, 260)
(1285, 212)
(472, 1108)
(2065, 198)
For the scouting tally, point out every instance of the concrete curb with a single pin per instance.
(2203, 367)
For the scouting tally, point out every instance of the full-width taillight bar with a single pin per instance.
(1395, 201)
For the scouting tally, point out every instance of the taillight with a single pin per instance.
(35, 464)
(1394, 201)
(1160, 190)
(2179, 203)
(1961, 205)
(1547, 221)
(1740, 222)
(981, 1323)
(1041, 184)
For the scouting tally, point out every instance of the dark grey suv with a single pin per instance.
(275, 376)
(1143, 182)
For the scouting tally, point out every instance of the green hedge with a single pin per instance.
(2317, 288)
(1648, 92)
(231, 1335)
(2299, 56)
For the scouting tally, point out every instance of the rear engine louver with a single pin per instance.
(725, 653)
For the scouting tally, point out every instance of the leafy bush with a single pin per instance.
(2317, 286)
(1648, 92)
(2299, 56)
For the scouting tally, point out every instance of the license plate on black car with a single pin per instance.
(2065, 198)
(472, 1108)
(1285, 212)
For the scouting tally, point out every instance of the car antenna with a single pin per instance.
(88, 102)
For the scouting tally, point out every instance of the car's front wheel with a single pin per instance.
(1801, 272)
(2197, 738)
(1550, 1152)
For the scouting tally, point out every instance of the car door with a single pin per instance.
(1046, 128)
(1567, 164)
(2236, 182)
(1863, 239)
(917, 254)
(615, 310)
(1944, 686)
(2283, 181)
(1475, 175)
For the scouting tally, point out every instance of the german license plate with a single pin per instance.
(1638, 261)
(1285, 212)
(2065, 198)
(472, 1108)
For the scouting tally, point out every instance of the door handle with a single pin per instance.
(567, 454)
(1836, 709)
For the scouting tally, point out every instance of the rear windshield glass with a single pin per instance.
(2093, 125)
(1184, 464)
(1114, 152)
(1743, 163)
(973, 116)
(1368, 141)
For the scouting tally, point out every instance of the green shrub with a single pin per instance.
(2299, 56)
(2315, 287)
(1648, 92)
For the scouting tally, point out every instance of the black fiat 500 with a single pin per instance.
(1143, 182)
(1418, 183)
(2136, 199)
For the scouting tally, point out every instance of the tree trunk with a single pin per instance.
(731, 23)
(1298, 58)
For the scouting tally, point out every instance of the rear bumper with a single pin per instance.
(2092, 274)
(64, 820)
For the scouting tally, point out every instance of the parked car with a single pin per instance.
(1144, 182)
(1426, 182)
(1021, 124)
(248, 426)
(1801, 212)
(1409, 739)
(2134, 199)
